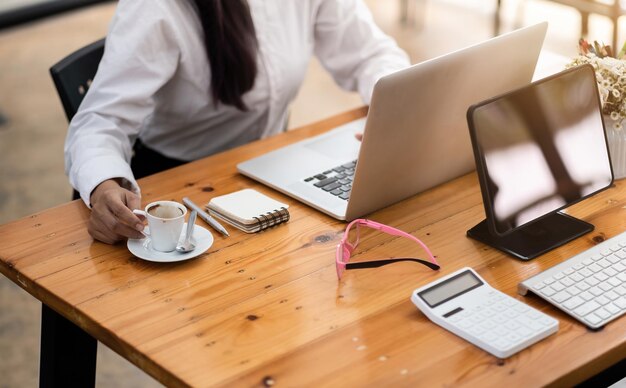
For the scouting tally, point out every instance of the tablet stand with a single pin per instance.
(537, 238)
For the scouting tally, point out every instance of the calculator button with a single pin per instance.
(499, 319)
(489, 337)
(501, 331)
(465, 324)
(534, 314)
(488, 325)
(521, 308)
(512, 337)
(546, 321)
(512, 325)
(502, 344)
(524, 332)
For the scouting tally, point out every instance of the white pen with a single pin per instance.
(205, 216)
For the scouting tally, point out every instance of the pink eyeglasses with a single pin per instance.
(345, 248)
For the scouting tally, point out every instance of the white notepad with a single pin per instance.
(249, 210)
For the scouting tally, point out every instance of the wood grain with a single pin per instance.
(267, 309)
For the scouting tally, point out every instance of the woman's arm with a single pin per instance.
(352, 48)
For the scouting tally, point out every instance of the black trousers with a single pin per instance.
(146, 161)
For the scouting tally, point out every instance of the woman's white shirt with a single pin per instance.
(154, 81)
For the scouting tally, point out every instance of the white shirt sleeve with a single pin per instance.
(352, 48)
(140, 56)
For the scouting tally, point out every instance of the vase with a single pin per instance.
(616, 139)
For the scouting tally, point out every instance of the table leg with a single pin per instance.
(68, 354)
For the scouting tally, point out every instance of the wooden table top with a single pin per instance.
(266, 308)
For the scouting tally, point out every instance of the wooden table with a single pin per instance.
(265, 309)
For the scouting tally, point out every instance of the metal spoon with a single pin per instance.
(188, 245)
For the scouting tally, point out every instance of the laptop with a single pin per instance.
(415, 135)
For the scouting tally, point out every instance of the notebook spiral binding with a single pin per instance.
(273, 218)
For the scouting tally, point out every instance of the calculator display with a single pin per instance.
(450, 288)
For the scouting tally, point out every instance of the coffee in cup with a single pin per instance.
(165, 220)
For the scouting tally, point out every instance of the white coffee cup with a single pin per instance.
(166, 220)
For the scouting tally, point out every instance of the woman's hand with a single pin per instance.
(112, 218)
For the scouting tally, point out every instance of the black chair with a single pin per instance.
(72, 75)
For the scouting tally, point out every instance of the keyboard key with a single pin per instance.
(602, 300)
(559, 276)
(587, 261)
(561, 297)
(595, 267)
(612, 295)
(576, 277)
(621, 302)
(615, 247)
(592, 281)
(622, 277)
(605, 286)
(573, 290)
(620, 290)
(610, 272)
(585, 272)
(602, 313)
(345, 195)
(614, 282)
(587, 296)
(548, 291)
(605, 252)
(549, 280)
(596, 257)
(583, 286)
(539, 285)
(324, 182)
(596, 291)
(593, 319)
(573, 303)
(567, 282)
(558, 286)
(604, 263)
(320, 176)
(613, 309)
(336, 192)
(613, 259)
(601, 276)
(586, 308)
(331, 186)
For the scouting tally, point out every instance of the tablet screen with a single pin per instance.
(540, 148)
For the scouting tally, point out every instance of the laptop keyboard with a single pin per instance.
(336, 181)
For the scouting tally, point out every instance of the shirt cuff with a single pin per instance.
(99, 169)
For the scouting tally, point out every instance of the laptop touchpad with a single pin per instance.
(340, 145)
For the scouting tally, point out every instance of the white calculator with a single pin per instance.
(464, 304)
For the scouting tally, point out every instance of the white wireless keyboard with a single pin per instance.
(590, 286)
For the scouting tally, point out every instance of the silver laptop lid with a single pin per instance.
(416, 134)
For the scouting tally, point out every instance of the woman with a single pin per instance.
(183, 79)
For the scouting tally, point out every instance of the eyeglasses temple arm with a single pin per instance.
(380, 263)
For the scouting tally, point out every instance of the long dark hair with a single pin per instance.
(231, 47)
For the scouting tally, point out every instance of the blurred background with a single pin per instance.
(35, 34)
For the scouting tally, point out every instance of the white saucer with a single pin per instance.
(142, 248)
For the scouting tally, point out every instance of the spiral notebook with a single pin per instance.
(249, 210)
